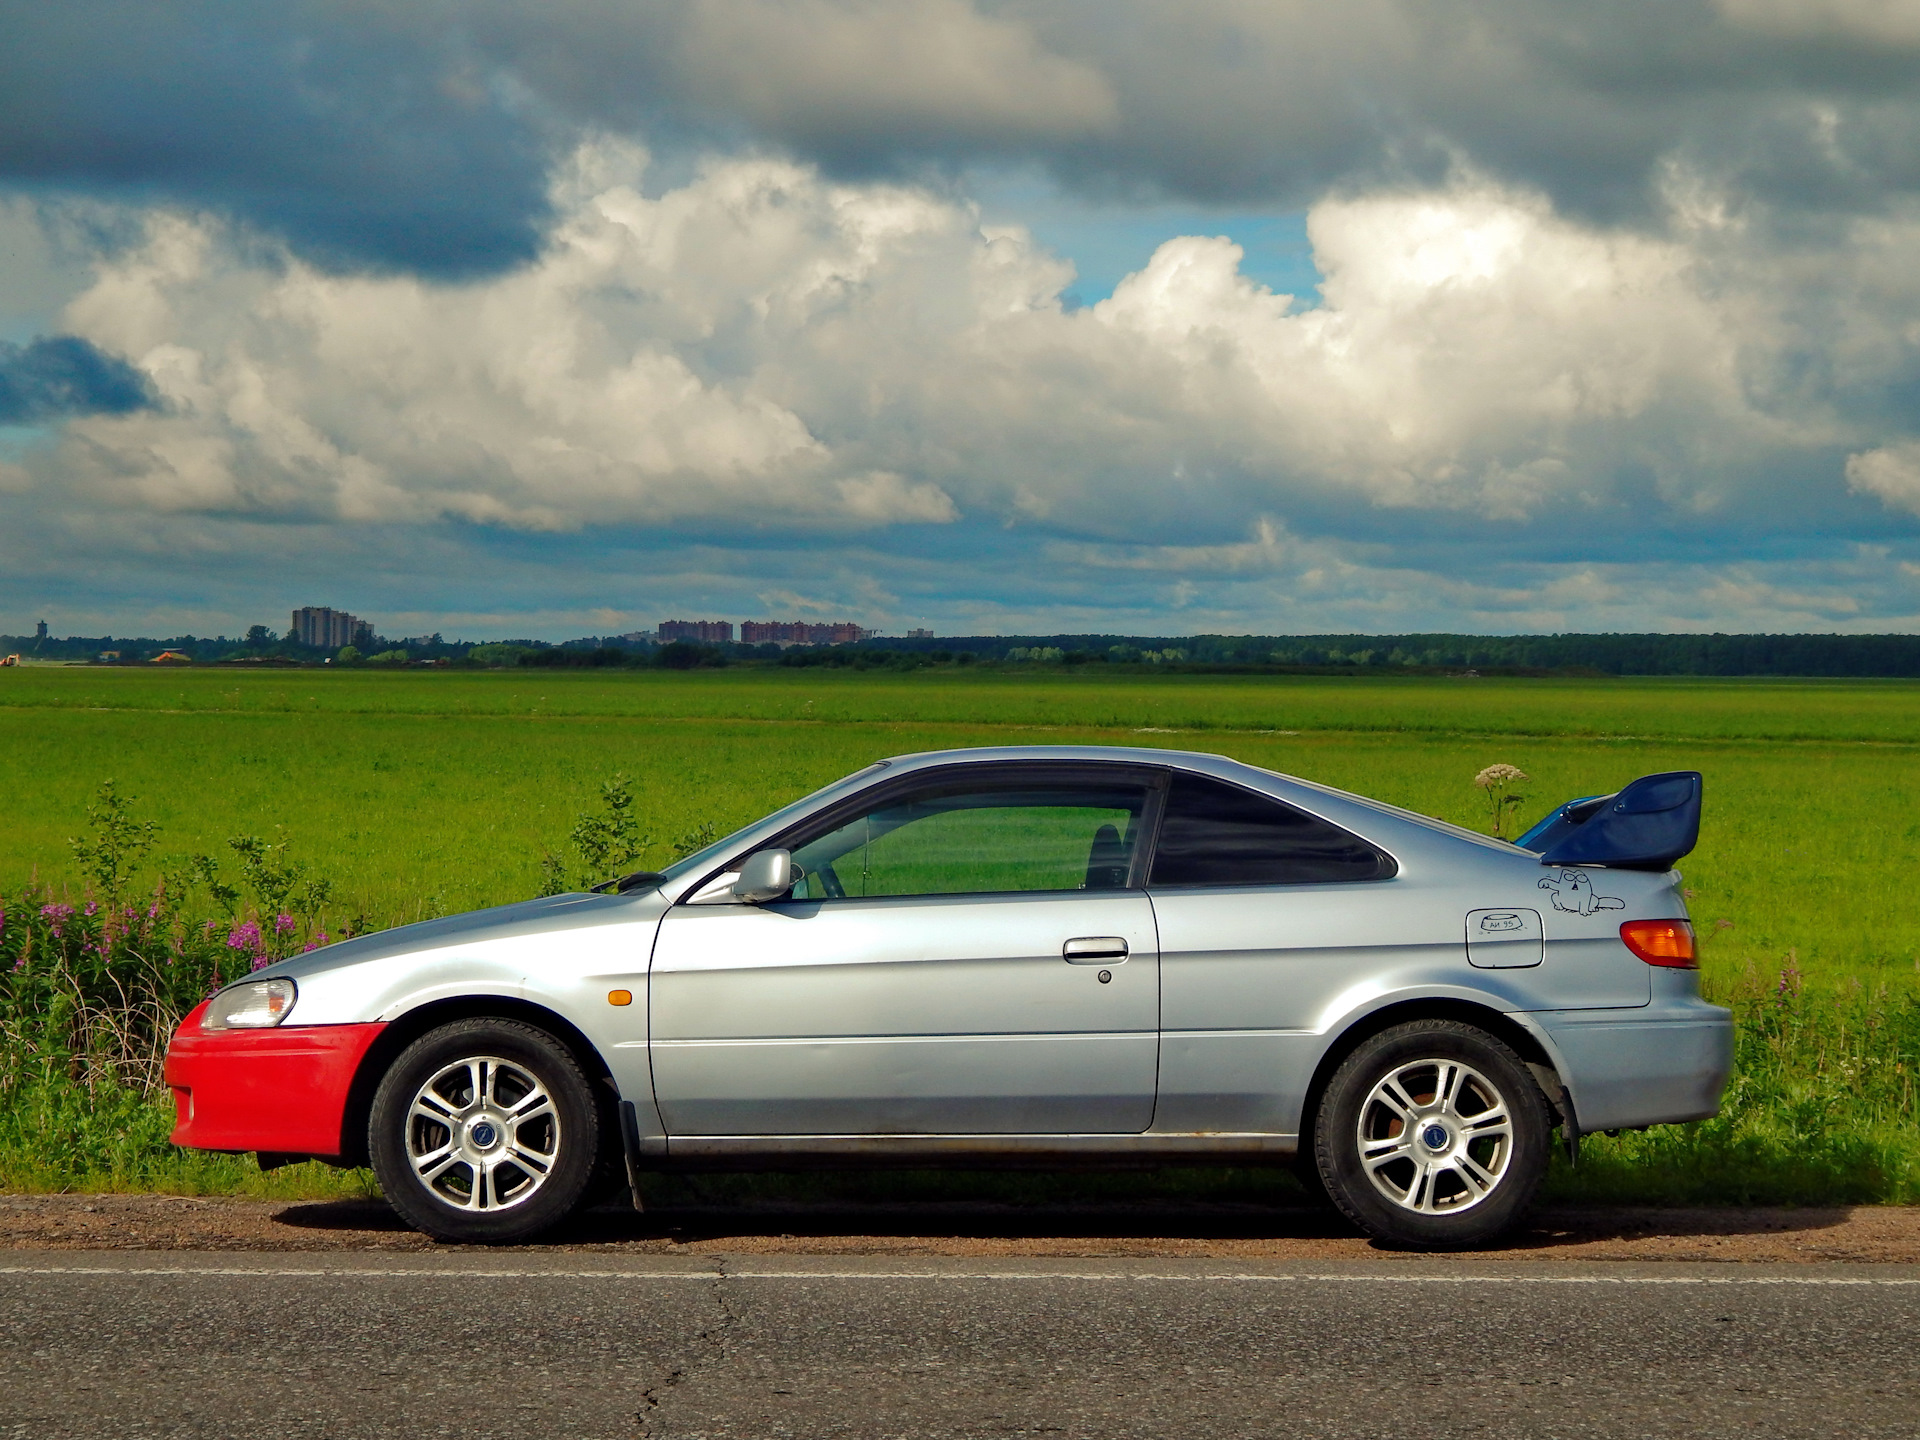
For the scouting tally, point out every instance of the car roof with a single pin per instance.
(1323, 800)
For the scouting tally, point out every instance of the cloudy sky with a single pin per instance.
(510, 319)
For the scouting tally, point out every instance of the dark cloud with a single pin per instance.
(1593, 105)
(368, 138)
(65, 375)
(418, 136)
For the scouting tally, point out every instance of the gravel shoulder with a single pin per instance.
(1863, 1234)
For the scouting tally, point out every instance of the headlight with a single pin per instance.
(252, 1006)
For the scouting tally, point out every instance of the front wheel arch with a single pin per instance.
(409, 1027)
(486, 1131)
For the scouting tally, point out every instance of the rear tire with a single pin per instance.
(1432, 1135)
(485, 1132)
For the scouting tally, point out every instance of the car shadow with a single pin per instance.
(1561, 1226)
(926, 1224)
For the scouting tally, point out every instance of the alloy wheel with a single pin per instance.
(483, 1134)
(1435, 1136)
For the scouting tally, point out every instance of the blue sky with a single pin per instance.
(1106, 242)
(973, 315)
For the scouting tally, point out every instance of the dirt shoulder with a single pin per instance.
(1865, 1234)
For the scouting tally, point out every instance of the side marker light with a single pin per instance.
(619, 997)
(1667, 943)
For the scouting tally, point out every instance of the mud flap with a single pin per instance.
(1559, 1098)
(630, 1141)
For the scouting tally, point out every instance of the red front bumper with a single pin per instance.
(282, 1090)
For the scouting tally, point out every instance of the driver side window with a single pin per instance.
(976, 839)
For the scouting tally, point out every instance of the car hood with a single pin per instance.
(548, 914)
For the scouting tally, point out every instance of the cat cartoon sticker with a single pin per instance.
(1572, 892)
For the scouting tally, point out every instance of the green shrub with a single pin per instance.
(93, 985)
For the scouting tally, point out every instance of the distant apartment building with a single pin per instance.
(919, 634)
(706, 632)
(799, 632)
(328, 629)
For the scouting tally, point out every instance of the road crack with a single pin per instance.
(709, 1348)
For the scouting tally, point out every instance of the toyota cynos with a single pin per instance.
(1043, 956)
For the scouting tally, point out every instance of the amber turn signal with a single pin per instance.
(1661, 942)
(625, 997)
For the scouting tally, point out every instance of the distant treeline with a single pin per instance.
(1785, 655)
(1834, 656)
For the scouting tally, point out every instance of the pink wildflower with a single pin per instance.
(246, 936)
(282, 924)
(92, 905)
(56, 915)
(261, 962)
(319, 939)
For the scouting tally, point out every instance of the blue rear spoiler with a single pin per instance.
(1645, 826)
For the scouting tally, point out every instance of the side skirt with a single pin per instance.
(967, 1152)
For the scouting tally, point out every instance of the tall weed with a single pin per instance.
(93, 983)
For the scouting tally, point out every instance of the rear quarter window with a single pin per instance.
(1213, 833)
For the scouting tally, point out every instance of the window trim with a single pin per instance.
(1156, 780)
(1390, 863)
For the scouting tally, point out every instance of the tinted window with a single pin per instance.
(1219, 834)
(978, 839)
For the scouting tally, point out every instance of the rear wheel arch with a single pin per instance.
(402, 1032)
(1433, 1134)
(1510, 1032)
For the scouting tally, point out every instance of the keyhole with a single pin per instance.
(1106, 977)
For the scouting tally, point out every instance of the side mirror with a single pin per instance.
(765, 875)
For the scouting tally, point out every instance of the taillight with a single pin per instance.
(1661, 942)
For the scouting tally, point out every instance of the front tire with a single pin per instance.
(485, 1132)
(1432, 1135)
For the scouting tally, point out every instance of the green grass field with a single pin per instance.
(442, 791)
(428, 792)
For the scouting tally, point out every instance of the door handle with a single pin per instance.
(1095, 950)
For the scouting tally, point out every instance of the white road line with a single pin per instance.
(707, 1276)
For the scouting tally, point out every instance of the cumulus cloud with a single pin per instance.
(1892, 473)
(753, 377)
(761, 345)
(613, 381)
(1472, 349)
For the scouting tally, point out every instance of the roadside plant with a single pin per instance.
(115, 843)
(695, 839)
(1497, 781)
(607, 841)
(93, 985)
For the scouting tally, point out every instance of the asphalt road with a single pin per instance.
(534, 1346)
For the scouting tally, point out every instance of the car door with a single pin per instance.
(1265, 915)
(967, 953)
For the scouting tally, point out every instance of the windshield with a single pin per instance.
(700, 859)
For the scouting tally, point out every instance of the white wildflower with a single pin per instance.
(1499, 775)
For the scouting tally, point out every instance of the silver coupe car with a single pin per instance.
(1042, 956)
